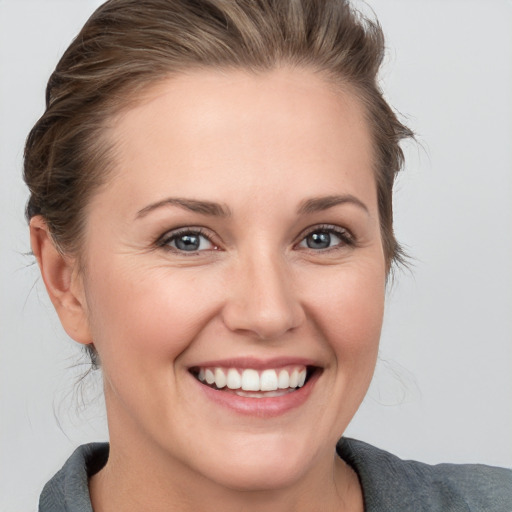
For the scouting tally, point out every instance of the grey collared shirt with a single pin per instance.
(389, 483)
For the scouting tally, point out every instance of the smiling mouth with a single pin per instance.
(249, 382)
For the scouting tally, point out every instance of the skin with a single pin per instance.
(260, 145)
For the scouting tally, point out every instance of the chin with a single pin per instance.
(257, 475)
(258, 464)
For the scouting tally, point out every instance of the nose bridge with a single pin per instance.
(264, 300)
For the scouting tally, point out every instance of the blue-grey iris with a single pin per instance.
(318, 240)
(188, 242)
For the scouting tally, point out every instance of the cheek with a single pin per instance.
(146, 318)
(350, 312)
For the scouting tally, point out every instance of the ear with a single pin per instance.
(62, 280)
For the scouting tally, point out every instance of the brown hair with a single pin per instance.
(127, 45)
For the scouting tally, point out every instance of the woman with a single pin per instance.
(211, 212)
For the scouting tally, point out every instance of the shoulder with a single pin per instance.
(390, 483)
(68, 490)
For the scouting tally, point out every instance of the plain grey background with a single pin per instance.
(443, 385)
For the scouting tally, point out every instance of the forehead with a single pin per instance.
(232, 129)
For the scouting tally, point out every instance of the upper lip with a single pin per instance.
(256, 363)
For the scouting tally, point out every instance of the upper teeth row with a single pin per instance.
(251, 380)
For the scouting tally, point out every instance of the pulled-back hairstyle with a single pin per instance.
(127, 45)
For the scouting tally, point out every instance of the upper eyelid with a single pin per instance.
(211, 236)
(344, 234)
(326, 227)
(172, 233)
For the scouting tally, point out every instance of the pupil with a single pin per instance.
(319, 240)
(188, 242)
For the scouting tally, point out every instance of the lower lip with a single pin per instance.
(261, 407)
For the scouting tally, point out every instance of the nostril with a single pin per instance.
(262, 299)
(265, 323)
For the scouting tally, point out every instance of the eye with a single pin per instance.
(186, 240)
(322, 238)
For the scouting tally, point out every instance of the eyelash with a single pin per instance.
(347, 239)
(170, 236)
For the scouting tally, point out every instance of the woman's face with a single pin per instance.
(238, 240)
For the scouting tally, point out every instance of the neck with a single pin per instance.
(140, 480)
(142, 474)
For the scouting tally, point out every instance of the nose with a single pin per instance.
(262, 299)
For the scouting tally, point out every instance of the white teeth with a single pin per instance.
(209, 376)
(284, 380)
(234, 381)
(294, 379)
(250, 380)
(220, 378)
(268, 380)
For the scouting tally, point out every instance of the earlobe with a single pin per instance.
(63, 282)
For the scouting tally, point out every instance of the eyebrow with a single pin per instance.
(193, 205)
(316, 204)
(319, 204)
